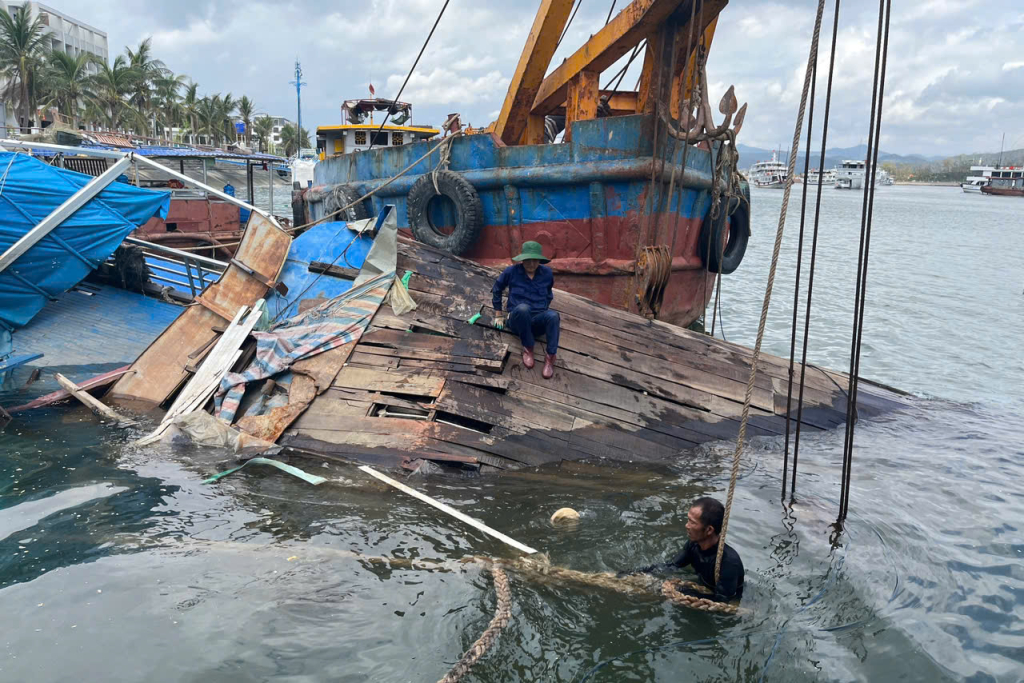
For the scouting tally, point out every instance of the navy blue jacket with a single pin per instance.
(535, 293)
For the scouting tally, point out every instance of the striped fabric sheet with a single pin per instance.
(327, 326)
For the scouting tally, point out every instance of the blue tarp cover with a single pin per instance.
(29, 191)
(333, 242)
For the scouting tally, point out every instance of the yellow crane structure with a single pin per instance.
(674, 30)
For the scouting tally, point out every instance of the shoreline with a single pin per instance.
(929, 183)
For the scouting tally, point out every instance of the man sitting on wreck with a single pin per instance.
(703, 529)
(529, 287)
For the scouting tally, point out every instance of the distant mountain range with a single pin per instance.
(833, 156)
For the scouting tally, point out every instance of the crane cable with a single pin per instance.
(748, 396)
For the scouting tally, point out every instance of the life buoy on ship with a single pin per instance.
(344, 195)
(448, 216)
(727, 236)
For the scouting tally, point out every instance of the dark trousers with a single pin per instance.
(528, 325)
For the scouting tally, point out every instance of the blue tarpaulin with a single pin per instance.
(334, 243)
(29, 191)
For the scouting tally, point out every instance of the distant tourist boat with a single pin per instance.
(771, 174)
(1007, 181)
(827, 179)
(851, 174)
(998, 177)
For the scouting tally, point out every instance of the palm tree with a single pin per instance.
(67, 82)
(167, 100)
(112, 87)
(246, 110)
(208, 114)
(148, 71)
(190, 109)
(225, 110)
(292, 142)
(263, 128)
(21, 46)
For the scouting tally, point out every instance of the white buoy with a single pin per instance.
(565, 515)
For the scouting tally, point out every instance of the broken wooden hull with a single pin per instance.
(430, 386)
(592, 203)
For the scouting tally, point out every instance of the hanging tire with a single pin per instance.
(426, 208)
(727, 238)
(343, 195)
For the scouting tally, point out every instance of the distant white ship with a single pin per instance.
(828, 177)
(771, 174)
(979, 178)
(851, 175)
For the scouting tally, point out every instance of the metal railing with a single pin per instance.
(186, 272)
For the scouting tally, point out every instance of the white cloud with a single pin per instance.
(1010, 66)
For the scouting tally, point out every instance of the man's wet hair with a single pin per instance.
(712, 512)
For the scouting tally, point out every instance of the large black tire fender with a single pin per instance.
(343, 195)
(469, 212)
(722, 255)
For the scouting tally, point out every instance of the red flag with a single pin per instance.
(372, 91)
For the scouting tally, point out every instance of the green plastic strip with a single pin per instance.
(476, 316)
(294, 471)
(405, 279)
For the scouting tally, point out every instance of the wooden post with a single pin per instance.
(90, 402)
(581, 101)
(475, 523)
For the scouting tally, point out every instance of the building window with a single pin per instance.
(360, 137)
(396, 139)
(379, 140)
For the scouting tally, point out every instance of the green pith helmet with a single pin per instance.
(532, 250)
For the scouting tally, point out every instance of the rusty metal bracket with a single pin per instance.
(267, 282)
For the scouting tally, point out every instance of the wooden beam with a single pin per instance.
(533, 63)
(634, 23)
(581, 102)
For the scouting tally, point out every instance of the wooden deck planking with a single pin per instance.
(625, 388)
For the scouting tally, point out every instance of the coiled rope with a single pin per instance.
(748, 395)
(502, 615)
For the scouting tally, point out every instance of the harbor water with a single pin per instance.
(118, 564)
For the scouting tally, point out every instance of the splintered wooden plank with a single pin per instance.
(419, 354)
(162, 366)
(434, 344)
(414, 384)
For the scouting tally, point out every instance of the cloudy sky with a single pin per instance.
(955, 79)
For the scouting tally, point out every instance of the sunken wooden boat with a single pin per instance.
(428, 385)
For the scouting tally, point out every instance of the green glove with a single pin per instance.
(472, 321)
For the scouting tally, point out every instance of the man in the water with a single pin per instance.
(529, 285)
(703, 527)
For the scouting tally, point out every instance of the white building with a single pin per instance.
(279, 123)
(63, 33)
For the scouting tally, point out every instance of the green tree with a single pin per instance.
(263, 128)
(190, 109)
(291, 141)
(67, 82)
(148, 72)
(246, 112)
(167, 101)
(112, 87)
(21, 50)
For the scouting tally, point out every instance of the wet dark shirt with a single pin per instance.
(535, 293)
(730, 579)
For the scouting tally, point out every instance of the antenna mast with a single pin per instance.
(298, 98)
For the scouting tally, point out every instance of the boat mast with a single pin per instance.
(1001, 143)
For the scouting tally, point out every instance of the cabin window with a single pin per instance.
(396, 139)
(360, 137)
(379, 140)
